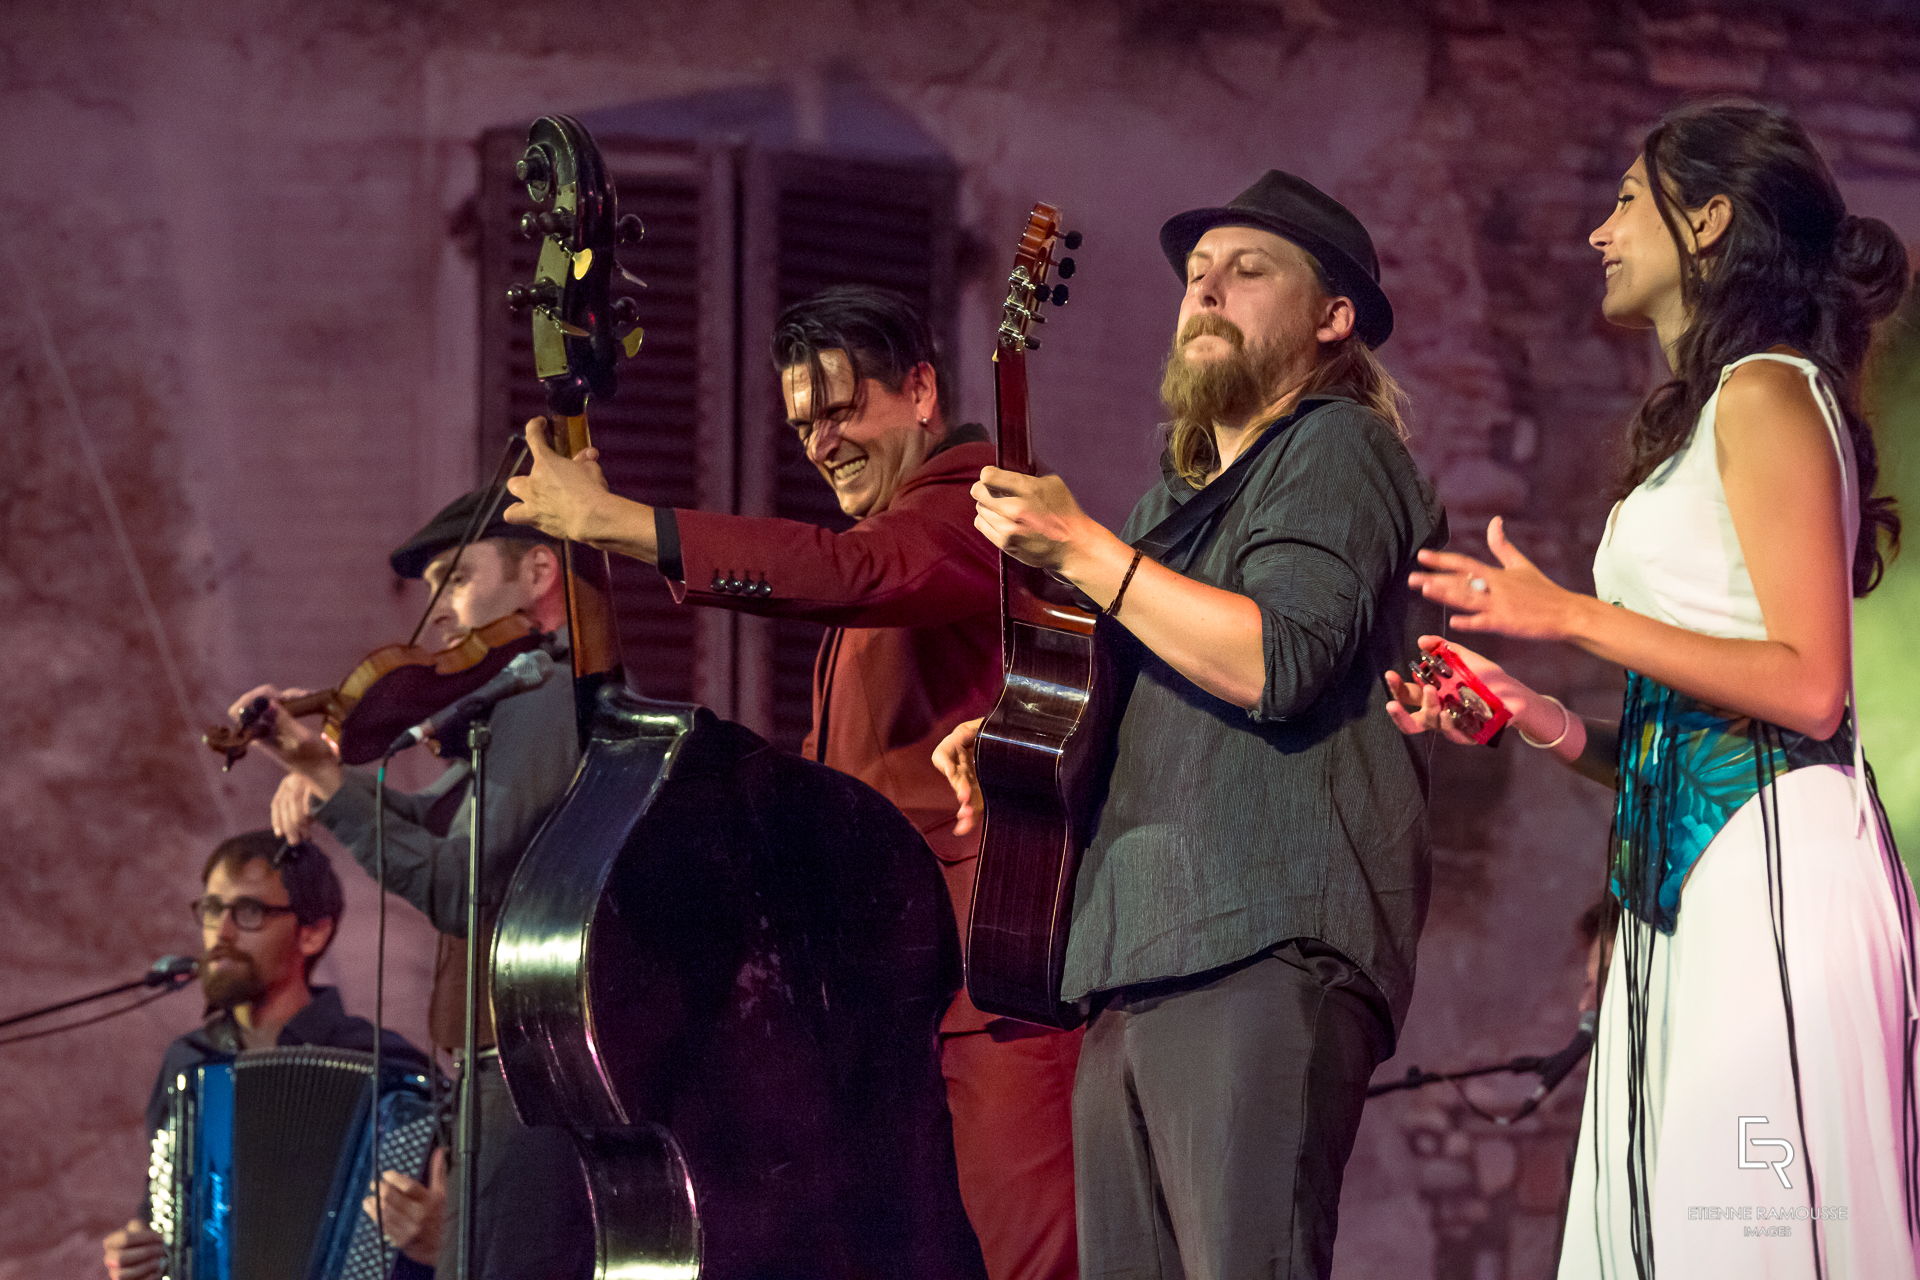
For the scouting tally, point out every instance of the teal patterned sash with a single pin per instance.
(1685, 769)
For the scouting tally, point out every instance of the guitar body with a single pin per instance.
(1042, 760)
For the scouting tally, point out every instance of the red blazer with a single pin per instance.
(911, 597)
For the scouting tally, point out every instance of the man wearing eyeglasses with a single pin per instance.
(267, 913)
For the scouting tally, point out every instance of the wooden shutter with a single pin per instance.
(811, 221)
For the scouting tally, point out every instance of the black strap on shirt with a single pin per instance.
(1197, 513)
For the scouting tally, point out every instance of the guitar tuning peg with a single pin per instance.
(1066, 268)
(1059, 295)
(625, 310)
(1033, 344)
(556, 222)
(629, 228)
(1073, 240)
(529, 226)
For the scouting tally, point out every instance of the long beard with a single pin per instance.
(1213, 391)
(237, 984)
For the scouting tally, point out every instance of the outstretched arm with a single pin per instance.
(568, 498)
(1782, 482)
(1588, 747)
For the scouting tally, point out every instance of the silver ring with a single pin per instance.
(1477, 585)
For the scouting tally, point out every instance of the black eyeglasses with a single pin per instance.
(248, 913)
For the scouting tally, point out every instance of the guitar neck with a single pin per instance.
(589, 575)
(1010, 410)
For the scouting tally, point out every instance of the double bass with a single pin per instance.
(718, 967)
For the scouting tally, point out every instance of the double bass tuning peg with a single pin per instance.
(1073, 240)
(545, 222)
(1066, 268)
(542, 293)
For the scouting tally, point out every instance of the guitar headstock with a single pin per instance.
(1027, 287)
(575, 315)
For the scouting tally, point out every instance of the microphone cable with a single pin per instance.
(142, 1002)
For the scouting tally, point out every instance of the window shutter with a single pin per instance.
(813, 221)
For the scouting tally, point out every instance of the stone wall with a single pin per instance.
(238, 363)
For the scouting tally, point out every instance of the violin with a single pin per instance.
(388, 692)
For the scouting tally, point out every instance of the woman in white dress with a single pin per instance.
(1750, 1107)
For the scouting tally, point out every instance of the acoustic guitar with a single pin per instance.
(1038, 757)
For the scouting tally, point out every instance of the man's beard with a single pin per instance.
(236, 984)
(1227, 390)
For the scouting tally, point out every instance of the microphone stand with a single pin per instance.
(467, 1136)
(172, 981)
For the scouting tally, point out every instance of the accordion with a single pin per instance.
(264, 1159)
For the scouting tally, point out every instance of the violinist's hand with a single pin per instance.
(954, 758)
(133, 1252)
(413, 1212)
(1034, 519)
(1415, 707)
(298, 747)
(294, 801)
(559, 496)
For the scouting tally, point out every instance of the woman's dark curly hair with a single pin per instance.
(1794, 268)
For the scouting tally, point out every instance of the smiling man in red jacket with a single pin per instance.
(910, 596)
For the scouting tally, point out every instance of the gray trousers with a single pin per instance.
(1213, 1117)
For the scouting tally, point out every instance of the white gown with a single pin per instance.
(1715, 1026)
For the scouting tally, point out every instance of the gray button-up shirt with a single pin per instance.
(1227, 830)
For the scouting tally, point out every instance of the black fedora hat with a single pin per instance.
(411, 558)
(1296, 209)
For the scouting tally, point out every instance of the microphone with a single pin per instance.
(528, 671)
(1552, 1070)
(170, 971)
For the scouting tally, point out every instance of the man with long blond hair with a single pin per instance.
(1247, 909)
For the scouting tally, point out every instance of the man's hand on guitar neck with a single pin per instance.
(954, 758)
(1210, 636)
